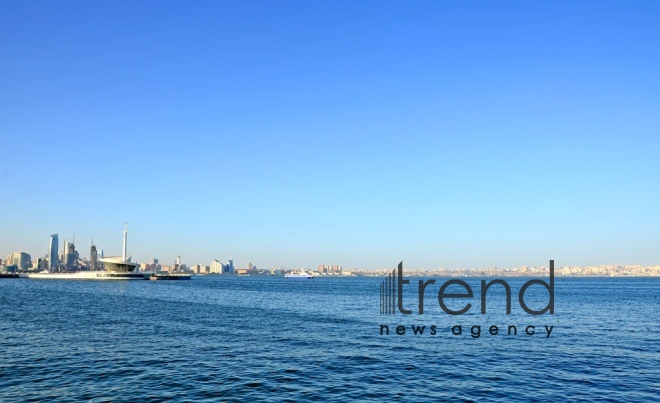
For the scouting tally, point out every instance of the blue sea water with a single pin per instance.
(268, 338)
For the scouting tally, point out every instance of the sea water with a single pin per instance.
(270, 338)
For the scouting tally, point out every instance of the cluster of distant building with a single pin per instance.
(70, 261)
(214, 268)
(67, 261)
(328, 269)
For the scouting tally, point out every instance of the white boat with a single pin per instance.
(169, 276)
(299, 275)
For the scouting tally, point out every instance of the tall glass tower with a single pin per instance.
(54, 242)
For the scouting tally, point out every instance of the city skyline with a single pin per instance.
(92, 261)
(293, 134)
(24, 262)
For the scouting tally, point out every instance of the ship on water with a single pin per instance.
(302, 274)
(116, 268)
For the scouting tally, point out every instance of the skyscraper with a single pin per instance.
(69, 258)
(54, 243)
(93, 258)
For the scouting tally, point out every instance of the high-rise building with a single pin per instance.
(229, 267)
(216, 267)
(93, 258)
(53, 259)
(42, 263)
(21, 260)
(69, 258)
(65, 251)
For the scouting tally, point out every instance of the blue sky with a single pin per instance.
(299, 133)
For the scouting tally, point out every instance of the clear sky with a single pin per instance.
(359, 133)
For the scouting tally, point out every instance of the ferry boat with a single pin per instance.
(299, 275)
(168, 276)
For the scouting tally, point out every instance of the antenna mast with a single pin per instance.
(125, 236)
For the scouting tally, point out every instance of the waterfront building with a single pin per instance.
(93, 258)
(329, 269)
(42, 263)
(65, 252)
(21, 260)
(216, 267)
(69, 258)
(53, 259)
(120, 263)
(153, 266)
(229, 267)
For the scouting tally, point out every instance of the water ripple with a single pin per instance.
(237, 339)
